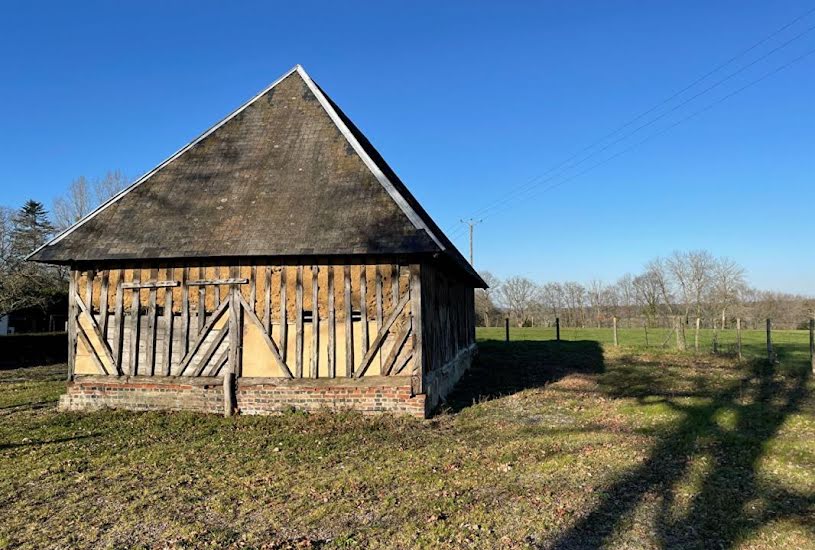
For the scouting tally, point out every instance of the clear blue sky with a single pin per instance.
(466, 100)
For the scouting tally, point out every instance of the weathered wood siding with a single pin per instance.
(448, 317)
(175, 320)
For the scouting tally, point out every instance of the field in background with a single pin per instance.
(563, 445)
(790, 346)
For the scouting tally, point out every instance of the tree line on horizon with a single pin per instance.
(688, 285)
(24, 284)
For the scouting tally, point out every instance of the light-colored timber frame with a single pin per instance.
(195, 320)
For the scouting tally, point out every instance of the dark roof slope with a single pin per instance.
(286, 174)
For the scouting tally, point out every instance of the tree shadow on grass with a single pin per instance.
(38, 442)
(505, 368)
(721, 512)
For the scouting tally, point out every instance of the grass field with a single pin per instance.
(569, 445)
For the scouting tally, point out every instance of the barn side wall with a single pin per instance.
(162, 336)
(448, 335)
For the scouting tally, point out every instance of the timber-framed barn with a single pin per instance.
(276, 261)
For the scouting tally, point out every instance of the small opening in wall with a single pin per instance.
(356, 316)
(308, 316)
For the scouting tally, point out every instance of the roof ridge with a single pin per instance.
(415, 218)
(146, 176)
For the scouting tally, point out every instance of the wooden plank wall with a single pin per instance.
(448, 317)
(172, 319)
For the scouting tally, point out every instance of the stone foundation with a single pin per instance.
(371, 395)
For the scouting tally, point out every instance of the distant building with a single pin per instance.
(275, 261)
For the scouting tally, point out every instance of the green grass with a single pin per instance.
(569, 445)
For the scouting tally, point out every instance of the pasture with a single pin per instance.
(574, 444)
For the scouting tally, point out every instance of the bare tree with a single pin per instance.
(597, 295)
(518, 296)
(575, 294)
(83, 196)
(728, 284)
(485, 298)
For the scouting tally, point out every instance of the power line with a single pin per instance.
(534, 181)
(672, 126)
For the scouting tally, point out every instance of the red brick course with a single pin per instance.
(268, 397)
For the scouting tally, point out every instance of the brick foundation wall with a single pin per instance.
(371, 395)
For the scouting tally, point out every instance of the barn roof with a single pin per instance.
(286, 174)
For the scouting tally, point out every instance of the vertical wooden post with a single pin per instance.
(363, 309)
(72, 322)
(332, 326)
(416, 303)
(680, 333)
(284, 316)
(185, 311)
(770, 356)
(135, 324)
(616, 341)
(267, 300)
(103, 305)
(349, 321)
(202, 300)
(118, 323)
(738, 337)
(645, 326)
(696, 335)
(168, 326)
(298, 323)
(557, 329)
(150, 348)
(233, 368)
(812, 344)
(315, 322)
(506, 329)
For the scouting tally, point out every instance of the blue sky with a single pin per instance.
(466, 100)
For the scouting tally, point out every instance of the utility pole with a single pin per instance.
(472, 223)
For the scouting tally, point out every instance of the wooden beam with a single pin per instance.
(235, 330)
(416, 302)
(332, 326)
(380, 337)
(393, 354)
(103, 304)
(363, 308)
(253, 318)
(216, 315)
(394, 284)
(298, 320)
(185, 311)
(267, 299)
(150, 284)
(118, 323)
(219, 363)
(168, 329)
(284, 317)
(210, 282)
(349, 322)
(201, 318)
(151, 327)
(213, 347)
(403, 363)
(135, 329)
(87, 343)
(87, 312)
(89, 276)
(253, 286)
(315, 322)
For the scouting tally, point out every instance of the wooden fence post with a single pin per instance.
(616, 341)
(506, 328)
(696, 335)
(715, 338)
(645, 326)
(557, 329)
(738, 337)
(680, 333)
(770, 357)
(812, 343)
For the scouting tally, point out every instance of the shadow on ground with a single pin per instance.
(504, 368)
(731, 501)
